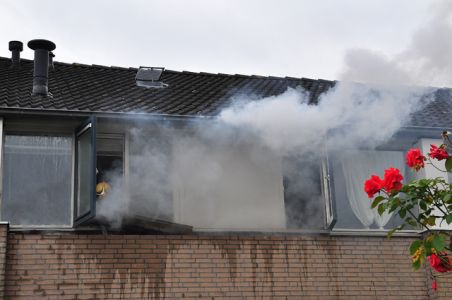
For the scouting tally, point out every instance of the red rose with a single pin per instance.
(415, 159)
(392, 181)
(434, 285)
(440, 263)
(373, 185)
(438, 153)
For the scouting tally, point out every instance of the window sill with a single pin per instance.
(374, 232)
(222, 232)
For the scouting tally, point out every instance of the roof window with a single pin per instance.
(149, 77)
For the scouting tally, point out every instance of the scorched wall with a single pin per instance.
(96, 266)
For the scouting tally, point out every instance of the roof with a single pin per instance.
(437, 113)
(93, 88)
(100, 89)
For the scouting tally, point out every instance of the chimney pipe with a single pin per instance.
(41, 65)
(51, 56)
(15, 47)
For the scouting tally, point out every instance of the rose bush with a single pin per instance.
(415, 159)
(438, 153)
(373, 185)
(420, 204)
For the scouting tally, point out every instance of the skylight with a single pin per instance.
(149, 77)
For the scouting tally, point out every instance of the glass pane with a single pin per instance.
(352, 204)
(110, 162)
(84, 177)
(37, 180)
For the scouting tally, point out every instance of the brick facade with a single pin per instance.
(3, 244)
(95, 266)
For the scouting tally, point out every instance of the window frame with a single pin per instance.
(359, 231)
(27, 132)
(327, 184)
(327, 206)
(88, 124)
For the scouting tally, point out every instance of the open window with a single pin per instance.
(109, 162)
(327, 185)
(114, 187)
(85, 172)
(306, 194)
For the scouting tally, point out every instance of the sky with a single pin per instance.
(301, 38)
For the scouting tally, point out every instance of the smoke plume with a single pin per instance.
(240, 170)
(427, 60)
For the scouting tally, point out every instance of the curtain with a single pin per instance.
(37, 180)
(359, 166)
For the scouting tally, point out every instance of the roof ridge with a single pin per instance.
(252, 76)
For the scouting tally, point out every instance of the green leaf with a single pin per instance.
(439, 242)
(402, 213)
(381, 209)
(448, 164)
(424, 182)
(448, 198)
(394, 206)
(414, 184)
(414, 246)
(428, 247)
(423, 205)
(449, 219)
(377, 201)
(391, 232)
(411, 221)
(416, 264)
(405, 188)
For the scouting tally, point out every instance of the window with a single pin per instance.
(37, 177)
(164, 178)
(133, 187)
(303, 197)
(351, 202)
(99, 166)
(110, 156)
(85, 172)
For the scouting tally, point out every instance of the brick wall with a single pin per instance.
(3, 244)
(80, 266)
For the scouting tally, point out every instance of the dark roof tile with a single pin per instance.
(80, 87)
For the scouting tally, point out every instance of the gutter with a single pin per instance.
(423, 128)
(434, 132)
(100, 114)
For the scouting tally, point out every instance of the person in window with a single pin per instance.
(102, 186)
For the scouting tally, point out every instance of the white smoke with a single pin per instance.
(427, 60)
(145, 191)
(220, 166)
(353, 115)
(356, 114)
